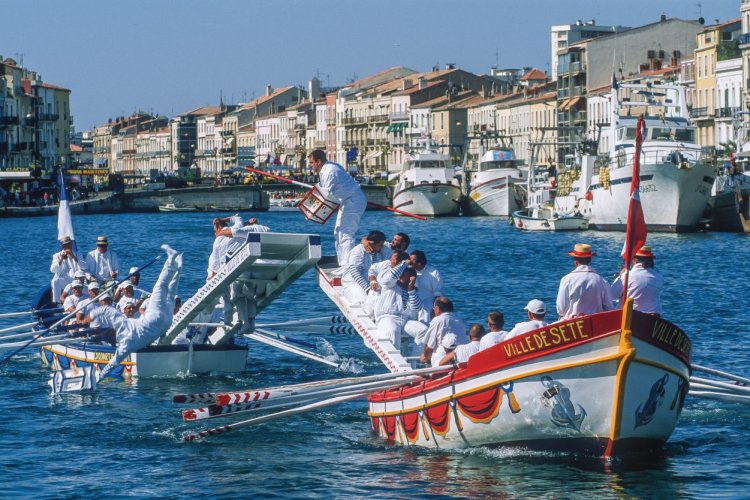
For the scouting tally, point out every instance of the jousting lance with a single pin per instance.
(310, 186)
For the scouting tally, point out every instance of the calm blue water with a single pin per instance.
(125, 439)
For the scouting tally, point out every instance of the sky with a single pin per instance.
(170, 56)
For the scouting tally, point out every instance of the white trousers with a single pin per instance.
(354, 293)
(347, 224)
(58, 285)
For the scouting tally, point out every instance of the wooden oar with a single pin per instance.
(216, 410)
(18, 327)
(324, 320)
(286, 347)
(698, 382)
(192, 436)
(721, 396)
(310, 186)
(255, 394)
(720, 373)
(28, 313)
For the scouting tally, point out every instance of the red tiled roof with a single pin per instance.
(534, 74)
(74, 148)
(55, 87)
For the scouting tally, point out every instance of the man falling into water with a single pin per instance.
(134, 334)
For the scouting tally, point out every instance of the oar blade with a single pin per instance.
(73, 380)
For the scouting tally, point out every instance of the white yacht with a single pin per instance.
(497, 186)
(675, 177)
(427, 185)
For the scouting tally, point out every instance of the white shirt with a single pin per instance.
(491, 338)
(102, 265)
(335, 184)
(446, 322)
(67, 268)
(583, 292)
(71, 301)
(465, 351)
(644, 287)
(429, 285)
(358, 263)
(525, 326)
(106, 316)
(392, 300)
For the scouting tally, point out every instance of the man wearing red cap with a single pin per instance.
(582, 291)
(644, 283)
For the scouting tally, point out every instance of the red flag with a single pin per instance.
(635, 231)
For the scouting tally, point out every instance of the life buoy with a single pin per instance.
(589, 196)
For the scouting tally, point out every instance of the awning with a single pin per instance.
(564, 105)
(372, 155)
(574, 101)
(15, 175)
(397, 127)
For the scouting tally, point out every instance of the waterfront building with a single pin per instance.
(714, 42)
(153, 149)
(246, 140)
(564, 35)
(728, 98)
(588, 64)
(212, 146)
(184, 137)
(744, 46)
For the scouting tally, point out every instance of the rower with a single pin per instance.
(103, 263)
(644, 283)
(582, 291)
(399, 242)
(429, 283)
(444, 322)
(496, 334)
(87, 305)
(361, 257)
(337, 185)
(79, 277)
(463, 352)
(72, 300)
(535, 310)
(64, 265)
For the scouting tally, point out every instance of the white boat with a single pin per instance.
(171, 207)
(603, 384)
(545, 218)
(675, 177)
(427, 186)
(496, 187)
(730, 202)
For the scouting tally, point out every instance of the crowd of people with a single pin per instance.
(403, 295)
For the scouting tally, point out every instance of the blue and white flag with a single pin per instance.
(351, 155)
(64, 219)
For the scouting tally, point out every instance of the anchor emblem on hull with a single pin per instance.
(645, 411)
(563, 410)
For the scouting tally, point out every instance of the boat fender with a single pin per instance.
(589, 196)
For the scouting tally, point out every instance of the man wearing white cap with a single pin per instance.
(582, 291)
(79, 277)
(64, 266)
(85, 306)
(136, 333)
(535, 310)
(101, 262)
(134, 277)
(72, 300)
(644, 283)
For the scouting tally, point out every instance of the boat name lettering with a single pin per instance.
(553, 336)
(102, 356)
(671, 336)
(648, 188)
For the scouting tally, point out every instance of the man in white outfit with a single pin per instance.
(644, 283)
(535, 310)
(337, 185)
(359, 261)
(65, 263)
(137, 333)
(399, 242)
(443, 323)
(496, 334)
(429, 283)
(396, 303)
(463, 352)
(102, 263)
(582, 291)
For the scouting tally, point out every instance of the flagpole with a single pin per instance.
(635, 230)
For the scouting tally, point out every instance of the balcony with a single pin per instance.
(353, 120)
(399, 115)
(378, 118)
(578, 91)
(348, 144)
(128, 152)
(699, 113)
(48, 117)
(577, 67)
(8, 120)
(726, 112)
(563, 93)
(319, 144)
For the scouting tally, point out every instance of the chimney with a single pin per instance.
(422, 82)
(407, 83)
(313, 89)
(269, 90)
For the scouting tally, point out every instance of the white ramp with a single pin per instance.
(263, 267)
(388, 353)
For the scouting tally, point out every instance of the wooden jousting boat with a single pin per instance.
(607, 384)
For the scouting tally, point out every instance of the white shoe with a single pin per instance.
(171, 252)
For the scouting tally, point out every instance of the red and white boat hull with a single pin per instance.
(578, 385)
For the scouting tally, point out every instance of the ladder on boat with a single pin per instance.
(364, 325)
(265, 265)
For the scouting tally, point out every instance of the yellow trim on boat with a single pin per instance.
(627, 351)
(87, 360)
(565, 366)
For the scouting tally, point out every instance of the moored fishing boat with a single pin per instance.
(545, 218)
(427, 186)
(496, 187)
(605, 384)
(675, 176)
(171, 207)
